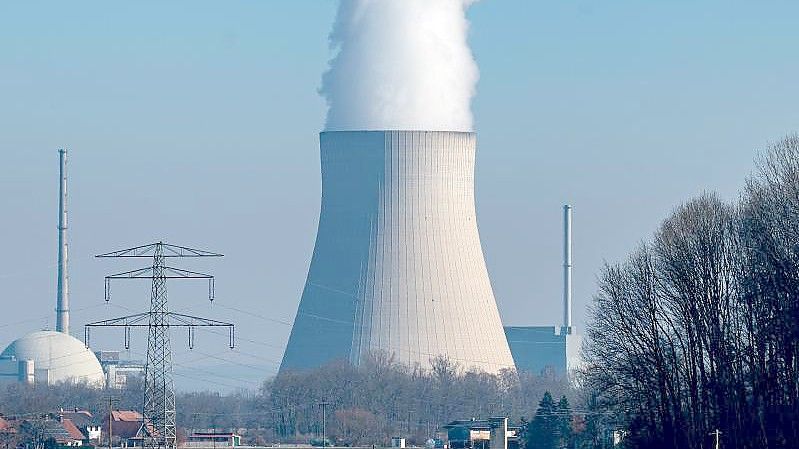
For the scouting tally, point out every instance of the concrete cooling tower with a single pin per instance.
(398, 268)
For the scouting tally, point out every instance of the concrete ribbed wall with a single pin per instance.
(398, 267)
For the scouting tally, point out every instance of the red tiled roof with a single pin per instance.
(7, 426)
(72, 430)
(81, 418)
(126, 424)
(126, 415)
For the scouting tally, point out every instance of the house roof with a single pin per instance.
(6, 427)
(127, 424)
(80, 418)
(72, 430)
(63, 431)
(126, 415)
(474, 424)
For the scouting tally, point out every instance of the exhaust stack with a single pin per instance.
(62, 298)
(567, 266)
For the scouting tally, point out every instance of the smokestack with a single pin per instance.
(62, 298)
(567, 266)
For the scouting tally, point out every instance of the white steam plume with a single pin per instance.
(400, 64)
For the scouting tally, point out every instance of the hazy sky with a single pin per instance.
(196, 123)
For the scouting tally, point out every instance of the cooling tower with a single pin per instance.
(398, 267)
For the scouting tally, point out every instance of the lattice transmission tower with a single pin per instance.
(158, 425)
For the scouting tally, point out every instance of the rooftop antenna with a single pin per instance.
(567, 267)
(158, 424)
(62, 296)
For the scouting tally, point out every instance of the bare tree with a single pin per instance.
(699, 329)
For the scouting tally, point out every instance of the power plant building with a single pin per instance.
(398, 266)
(118, 371)
(537, 349)
(50, 357)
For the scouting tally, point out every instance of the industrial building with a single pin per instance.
(491, 433)
(539, 349)
(49, 357)
(398, 267)
(118, 371)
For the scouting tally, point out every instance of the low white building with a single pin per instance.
(212, 439)
(13, 370)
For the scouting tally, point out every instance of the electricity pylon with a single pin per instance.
(158, 425)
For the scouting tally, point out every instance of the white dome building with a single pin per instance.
(49, 357)
(57, 357)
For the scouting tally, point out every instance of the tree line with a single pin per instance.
(365, 404)
(697, 330)
(369, 403)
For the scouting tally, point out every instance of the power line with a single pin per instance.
(43, 317)
(250, 313)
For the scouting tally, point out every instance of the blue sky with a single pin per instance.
(196, 122)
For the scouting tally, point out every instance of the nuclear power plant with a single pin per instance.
(49, 357)
(397, 267)
(397, 270)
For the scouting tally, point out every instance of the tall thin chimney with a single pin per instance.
(567, 266)
(62, 298)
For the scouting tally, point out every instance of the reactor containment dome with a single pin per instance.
(50, 357)
(57, 357)
(397, 267)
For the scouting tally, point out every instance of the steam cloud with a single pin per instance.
(400, 64)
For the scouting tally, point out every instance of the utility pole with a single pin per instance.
(716, 433)
(158, 423)
(213, 431)
(111, 401)
(324, 405)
